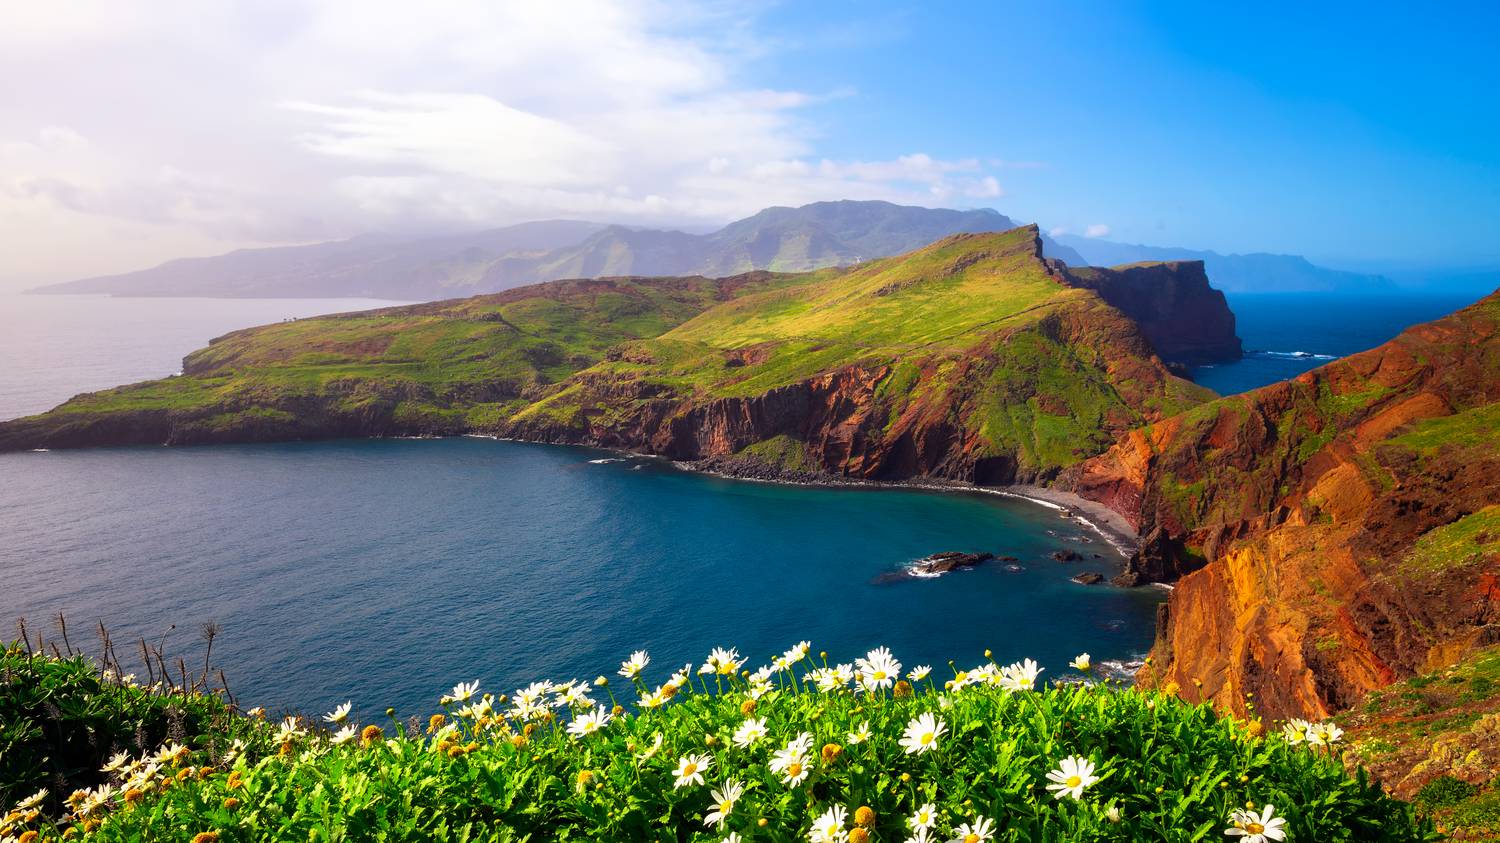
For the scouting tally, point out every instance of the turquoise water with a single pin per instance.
(386, 571)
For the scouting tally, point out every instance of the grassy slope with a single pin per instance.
(1172, 771)
(966, 327)
(445, 365)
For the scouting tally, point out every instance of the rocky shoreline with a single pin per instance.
(1108, 524)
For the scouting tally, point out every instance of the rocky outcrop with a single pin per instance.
(1293, 521)
(1186, 320)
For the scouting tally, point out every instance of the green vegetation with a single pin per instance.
(1466, 542)
(777, 755)
(1432, 738)
(1475, 428)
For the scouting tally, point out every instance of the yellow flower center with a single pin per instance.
(927, 738)
(1255, 828)
(794, 770)
(1074, 781)
(689, 769)
(971, 838)
(726, 806)
(879, 675)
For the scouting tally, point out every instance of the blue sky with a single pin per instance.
(1360, 132)
(1360, 135)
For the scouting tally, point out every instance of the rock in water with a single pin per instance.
(1066, 556)
(1088, 578)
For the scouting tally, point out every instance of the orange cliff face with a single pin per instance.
(1327, 535)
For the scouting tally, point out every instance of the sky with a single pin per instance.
(1361, 135)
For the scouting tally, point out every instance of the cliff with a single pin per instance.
(1332, 533)
(1186, 320)
(972, 359)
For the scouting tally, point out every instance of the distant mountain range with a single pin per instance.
(1258, 272)
(780, 239)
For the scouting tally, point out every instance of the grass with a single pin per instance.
(1468, 541)
(498, 768)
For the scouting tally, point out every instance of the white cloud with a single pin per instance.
(1098, 229)
(219, 123)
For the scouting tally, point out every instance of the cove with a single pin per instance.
(387, 570)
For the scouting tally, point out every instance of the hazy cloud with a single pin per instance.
(1098, 229)
(190, 127)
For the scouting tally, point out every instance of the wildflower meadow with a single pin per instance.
(800, 749)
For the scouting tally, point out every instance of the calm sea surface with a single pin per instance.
(1287, 334)
(385, 571)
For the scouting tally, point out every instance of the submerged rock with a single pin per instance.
(1066, 556)
(1088, 578)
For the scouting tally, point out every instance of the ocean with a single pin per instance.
(1286, 334)
(386, 571)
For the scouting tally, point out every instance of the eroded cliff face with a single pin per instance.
(1299, 518)
(1185, 319)
(983, 414)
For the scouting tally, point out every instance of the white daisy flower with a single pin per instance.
(925, 819)
(1081, 662)
(981, 830)
(1020, 676)
(752, 730)
(632, 667)
(792, 764)
(1324, 734)
(690, 769)
(464, 691)
(589, 722)
(798, 652)
(919, 673)
(922, 734)
(1256, 828)
(32, 801)
(829, 828)
(344, 735)
(1070, 778)
(878, 669)
(1296, 730)
(860, 734)
(724, 799)
(340, 714)
(116, 763)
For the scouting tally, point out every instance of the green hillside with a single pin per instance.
(970, 359)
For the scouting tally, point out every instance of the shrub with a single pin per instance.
(1444, 791)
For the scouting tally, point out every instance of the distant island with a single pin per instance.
(780, 239)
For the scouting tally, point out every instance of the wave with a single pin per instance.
(1289, 355)
(1121, 669)
(607, 460)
